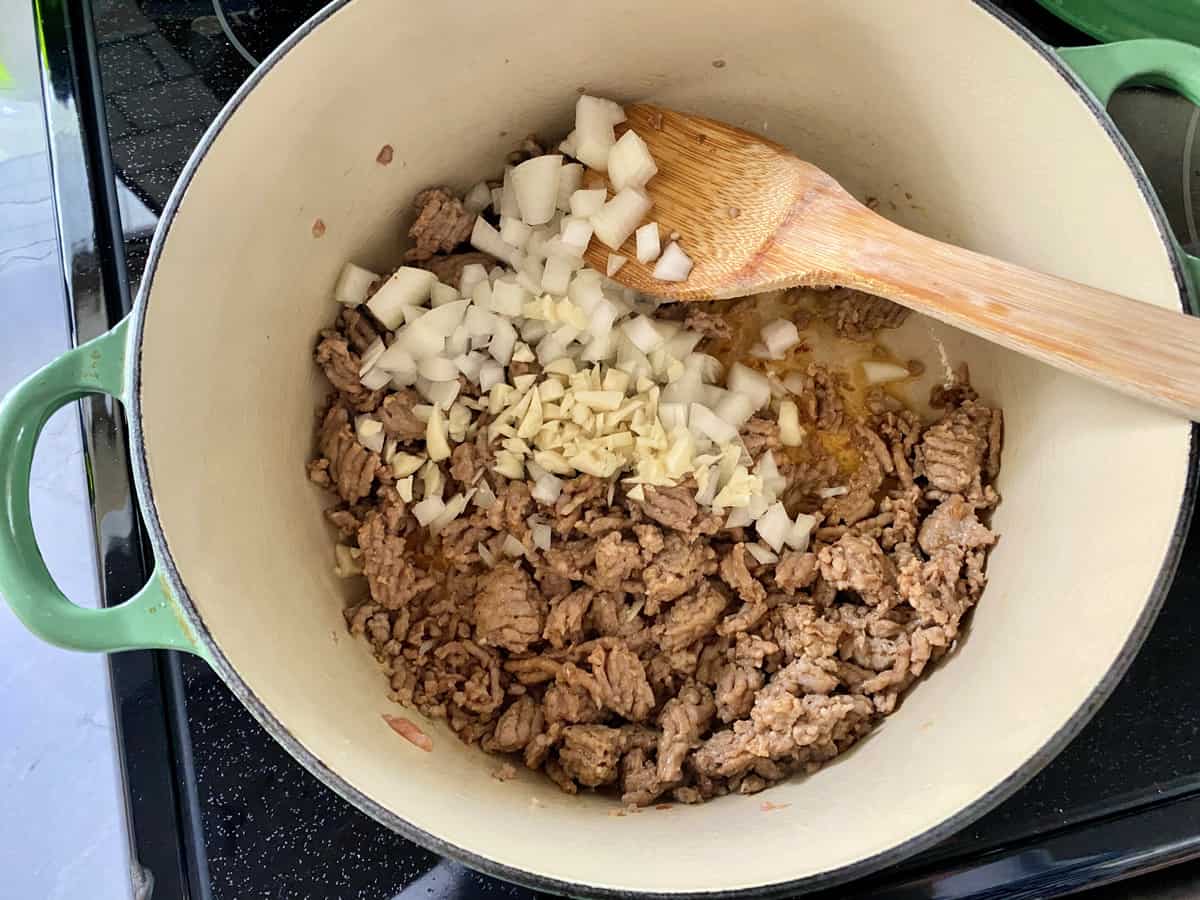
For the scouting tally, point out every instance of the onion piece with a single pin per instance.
(673, 265)
(593, 134)
(369, 432)
(375, 379)
(800, 532)
(512, 548)
(773, 526)
(508, 197)
(487, 239)
(440, 393)
(441, 294)
(588, 202)
(478, 198)
(766, 469)
(396, 359)
(630, 163)
(570, 177)
(508, 298)
(878, 372)
(546, 487)
(504, 339)
(762, 555)
(541, 535)
(472, 274)
(436, 443)
(826, 493)
(736, 409)
(751, 384)
(620, 216)
(480, 321)
(437, 368)
(613, 266)
(427, 510)
(514, 232)
(780, 336)
(535, 182)
(408, 286)
(470, 364)
(642, 334)
(648, 245)
(791, 434)
(491, 373)
(370, 356)
(704, 422)
(557, 276)
(576, 234)
(353, 283)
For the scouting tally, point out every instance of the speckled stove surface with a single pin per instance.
(218, 810)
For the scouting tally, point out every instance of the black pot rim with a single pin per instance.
(830, 878)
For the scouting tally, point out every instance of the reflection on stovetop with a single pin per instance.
(272, 830)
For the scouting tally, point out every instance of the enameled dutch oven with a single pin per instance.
(961, 124)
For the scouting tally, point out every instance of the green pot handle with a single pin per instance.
(1154, 61)
(151, 618)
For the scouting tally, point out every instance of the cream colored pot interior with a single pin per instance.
(962, 131)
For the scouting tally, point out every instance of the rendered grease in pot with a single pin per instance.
(670, 552)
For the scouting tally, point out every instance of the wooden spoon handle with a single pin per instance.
(1131, 346)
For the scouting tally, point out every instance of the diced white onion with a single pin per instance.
(557, 275)
(376, 379)
(546, 488)
(536, 184)
(570, 177)
(879, 372)
(613, 266)
(576, 233)
(826, 493)
(703, 421)
(511, 547)
(514, 232)
(371, 355)
(480, 321)
(630, 163)
(780, 336)
(478, 198)
(428, 509)
(406, 464)
(751, 384)
(642, 334)
(508, 298)
(491, 373)
(800, 532)
(487, 239)
(441, 294)
(353, 284)
(790, 432)
(485, 555)
(593, 135)
(437, 368)
(739, 517)
(436, 444)
(673, 265)
(503, 340)
(762, 555)
(620, 216)
(469, 364)
(766, 469)
(441, 393)
(408, 286)
(472, 274)
(508, 196)
(588, 202)
(541, 536)
(648, 245)
(369, 432)
(736, 409)
(773, 526)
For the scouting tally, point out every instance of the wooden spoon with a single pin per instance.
(755, 218)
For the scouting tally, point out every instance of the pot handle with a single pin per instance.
(1172, 64)
(151, 618)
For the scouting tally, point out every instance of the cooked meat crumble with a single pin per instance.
(649, 649)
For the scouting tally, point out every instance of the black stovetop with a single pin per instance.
(216, 808)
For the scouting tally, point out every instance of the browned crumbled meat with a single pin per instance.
(346, 466)
(951, 454)
(359, 329)
(464, 463)
(449, 269)
(570, 700)
(953, 524)
(858, 316)
(650, 539)
(509, 611)
(677, 569)
(399, 420)
(590, 754)
(683, 719)
(564, 624)
(796, 571)
(393, 579)
(340, 365)
(761, 434)
(519, 725)
(736, 689)
(645, 651)
(735, 574)
(344, 520)
(691, 618)
(616, 560)
(441, 224)
(711, 325)
(621, 683)
(859, 564)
